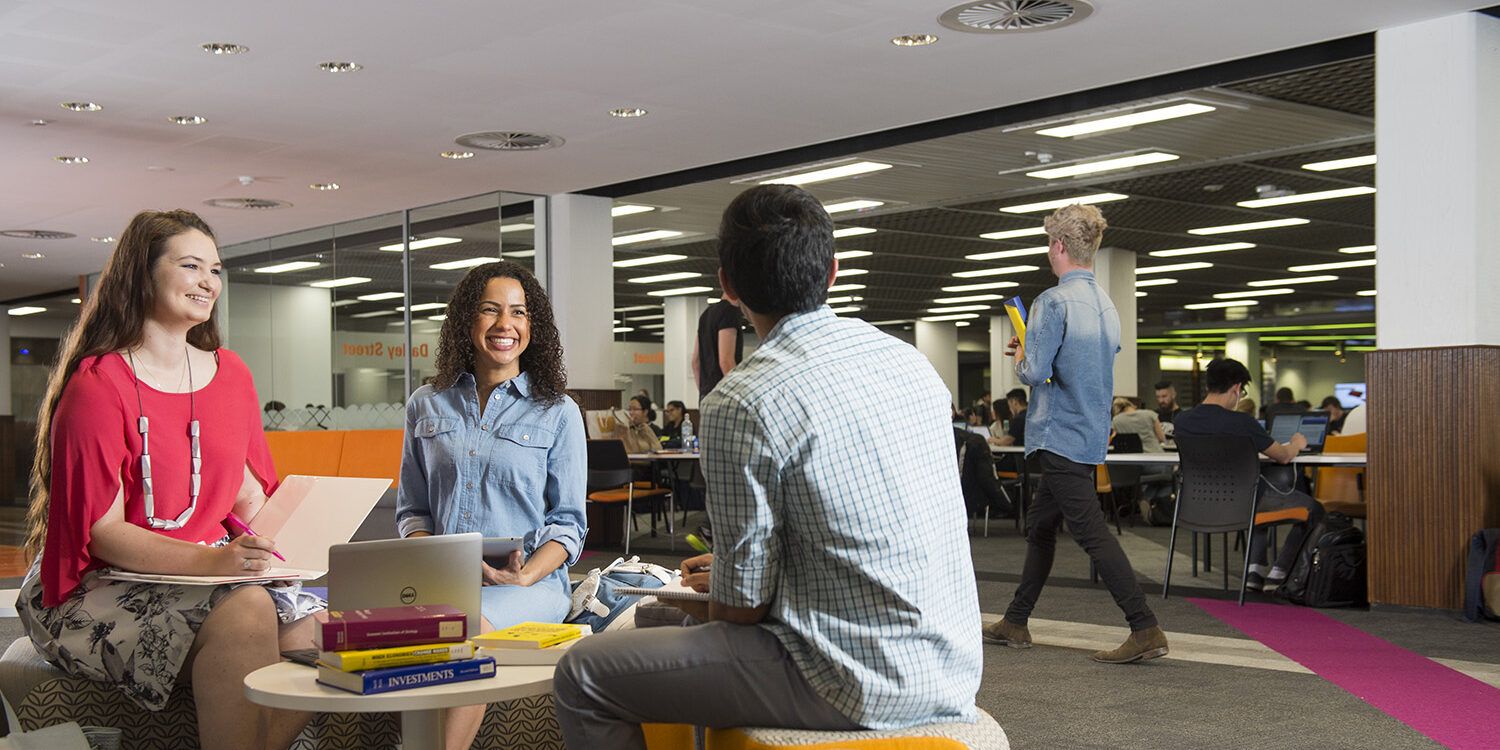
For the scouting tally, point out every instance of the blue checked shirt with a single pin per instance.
(848, 520)
(1072, 337)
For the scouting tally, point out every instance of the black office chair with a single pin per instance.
(1219, 478)
(611, 479)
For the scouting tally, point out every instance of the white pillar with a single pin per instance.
(5, 364)
(677, 347)
(581, 284)
(1437, 103)
(1114, 269)
(1245, 348)
(1002, 368)
(939, 343)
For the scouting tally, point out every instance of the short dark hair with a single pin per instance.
(645, 405)
(1331, 401)
(776, 248)
(1162, 385)
(1017, 395)
(1284, 394)
(1224, 374)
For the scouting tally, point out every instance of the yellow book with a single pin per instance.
(1017, 312)
(399, 656)
(531, 635)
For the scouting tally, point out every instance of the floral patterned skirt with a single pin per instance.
(134, 635)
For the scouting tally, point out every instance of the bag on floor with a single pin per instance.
(597, 603)
(1482, 582)
(1330, 569)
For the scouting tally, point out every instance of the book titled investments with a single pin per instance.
(372, 681)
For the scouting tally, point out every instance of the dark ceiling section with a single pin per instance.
(1343, 87)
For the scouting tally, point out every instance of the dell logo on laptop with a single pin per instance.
(408, 595)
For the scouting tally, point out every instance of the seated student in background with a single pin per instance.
(1227, 379)
(494, 445)
(1015, 429)
(820, 617)
(976, 475)
(671, 431)
(1130, 420)
(639, 433)
(1246, 406)
(1336, 414)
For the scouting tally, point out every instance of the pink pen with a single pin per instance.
(245, 529)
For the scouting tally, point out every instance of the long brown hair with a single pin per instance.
(113, 318)
(543, 358)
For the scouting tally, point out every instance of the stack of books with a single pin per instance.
(370, 651)
(530, 643)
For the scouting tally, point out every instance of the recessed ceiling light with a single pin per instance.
(324, 186)
(1126, 121)
(852, 232)
(1328, 166)
(956, 316)
(378, 296)
(852, 272)
(102, 239)
(340, 67)
(1104, 165)
(914, 40)
(1248, 227)
(71, 159)
(628, 112)
(677, 276)
(76, 301)
(1215, 305)
(296, 265)
(1357, 249)
(970, 298)
(981, 287)
(19, 311)
(1366, 292)
(1141, 271)
(1332, 266)
(373, 314)
(1154, 282)
(453, 265)
(81, 106)
(419, 307)
(997, 254)
(627, 209)
(995, 271)
(1294, 280)
(33, 256)
(225, 48)
(40, 123)
(648, 260)
(846, 287)
(1321, 195)
(336, 283)
(830, 173)
(457, 154)
(1011, 233)
(680, 291)
(959, 309)
(187, 120)
(1254, 293)
(859, 204)
(1202, 249)
(1083, 200)
(647, 236)
(422, 244)
(847, 254)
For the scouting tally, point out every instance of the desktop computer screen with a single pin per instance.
(1349, 395)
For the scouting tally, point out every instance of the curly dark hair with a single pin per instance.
(543, 357)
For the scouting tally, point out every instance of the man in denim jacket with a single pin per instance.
(1068, 360)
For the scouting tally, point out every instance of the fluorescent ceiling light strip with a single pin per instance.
(842, 300)
(629, 209)
(633, 308)
(970, 298)
(336, 283)
(889, 322)
(639, 237)
(639, 318)
(680, 291)
(1357, 249)
(1272, 329)
(852, 272)
(1084, 200)
(1013, 233)
(962, 324)
(981, 287)
(847, 254)
(423, 244)
(374, 314)
(1332, 266)
(652, 326)
(1125, 121)
(959, 309)
(28, 310)
(519, 253)
(378, 296)
(677, 276)
(1104, 165)
(1202, 249)
(1249, 226)
(839, 234)
(1332, 164)
(848, 309)
(831, 173)
(998, 254)
(648, 260)
(344, 303)
(1321, 195)
(1366, 292)
(1253, 293)
(1193, 266)
(521, 227)
(943, 318)
(845, 287)
(1294, 280)
(1154, 282)
(1140, 294)
(296, 265)
(624, 329)
(995, 272)
(851, 205)
(465, 263)
(1215, 305)
(424, 306)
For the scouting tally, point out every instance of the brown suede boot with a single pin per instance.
(1006, 634)
(1140, 646)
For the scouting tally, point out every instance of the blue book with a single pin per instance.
(372, 681)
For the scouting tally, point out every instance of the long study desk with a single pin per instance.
(1171, 457)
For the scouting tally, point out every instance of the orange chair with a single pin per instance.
(611, 480)
(372, 453)
(313, 452)
(1342, 489)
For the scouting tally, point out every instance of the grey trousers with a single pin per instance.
(715, 675)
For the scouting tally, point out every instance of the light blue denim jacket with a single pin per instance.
(520, 470)
(1072, 337)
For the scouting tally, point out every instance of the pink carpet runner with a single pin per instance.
(1450, 707)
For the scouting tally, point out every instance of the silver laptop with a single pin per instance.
(440, 569)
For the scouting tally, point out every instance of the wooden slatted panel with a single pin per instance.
(1434, 471)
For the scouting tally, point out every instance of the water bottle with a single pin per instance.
(688, 441)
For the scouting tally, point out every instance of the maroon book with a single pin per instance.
(416, 624)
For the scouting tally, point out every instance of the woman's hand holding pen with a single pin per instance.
(247, 553)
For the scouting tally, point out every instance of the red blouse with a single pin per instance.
(95, 445)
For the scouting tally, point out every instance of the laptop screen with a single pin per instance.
(1312, 425)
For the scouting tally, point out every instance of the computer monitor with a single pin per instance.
(441, 569)
(1312, 424)
(1350, 395)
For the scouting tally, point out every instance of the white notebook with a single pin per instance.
(670, 592)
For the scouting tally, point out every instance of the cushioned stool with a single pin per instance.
(984, 734)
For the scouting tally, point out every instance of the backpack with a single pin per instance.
(1481, 581)
(1330, 568)
(595, 600)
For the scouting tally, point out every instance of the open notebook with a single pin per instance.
(305, 516)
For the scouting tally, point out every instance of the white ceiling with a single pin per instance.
(722, 81)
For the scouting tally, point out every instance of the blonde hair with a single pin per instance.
(1120, 405)
(1080, 228)
(1246, 405)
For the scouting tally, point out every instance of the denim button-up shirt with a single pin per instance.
(1072, 337)
(520, 470)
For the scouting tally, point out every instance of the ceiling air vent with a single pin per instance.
(37, 234)
(509, 140)
(1015, 16)
(247, 204)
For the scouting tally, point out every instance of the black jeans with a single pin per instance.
(1066, 491)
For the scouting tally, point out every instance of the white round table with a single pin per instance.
(294, 686)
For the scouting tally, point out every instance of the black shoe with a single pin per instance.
(1255, 582)
(1272, 583)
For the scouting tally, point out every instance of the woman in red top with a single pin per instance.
(148, 437)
